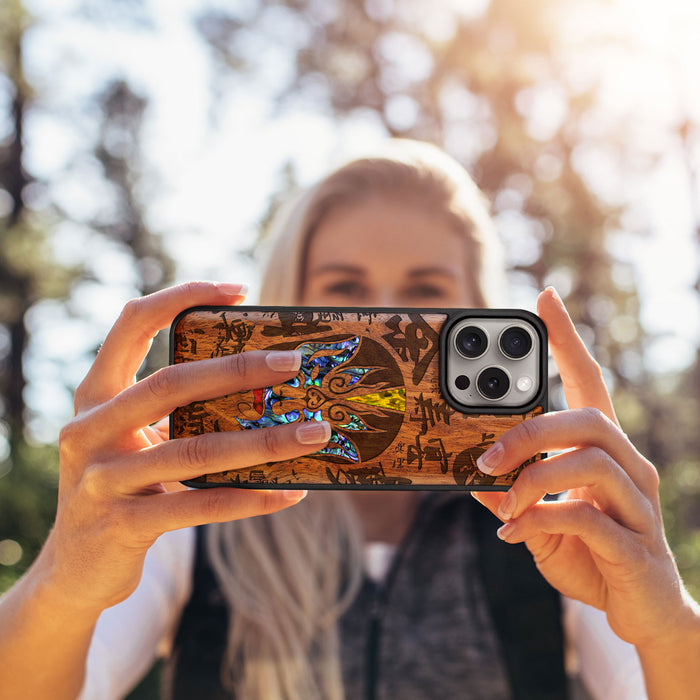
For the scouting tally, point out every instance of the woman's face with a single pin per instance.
(386, 252)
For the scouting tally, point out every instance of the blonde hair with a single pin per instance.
(288, 577)
(433, 178)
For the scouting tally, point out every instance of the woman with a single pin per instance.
(405, 229)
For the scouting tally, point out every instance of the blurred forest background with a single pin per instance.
(579, 118)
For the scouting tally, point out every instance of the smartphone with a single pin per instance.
(413, 396)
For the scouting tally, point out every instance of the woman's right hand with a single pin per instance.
(112, 504)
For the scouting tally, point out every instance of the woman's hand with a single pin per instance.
(603, 543)
(112, 502)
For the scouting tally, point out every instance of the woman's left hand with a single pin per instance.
(603, 542)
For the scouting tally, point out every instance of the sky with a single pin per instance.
(214, 168)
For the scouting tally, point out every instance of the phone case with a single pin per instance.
(374, 374)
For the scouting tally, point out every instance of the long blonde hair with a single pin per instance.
(288, 577)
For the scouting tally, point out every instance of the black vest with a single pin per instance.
(524, 611)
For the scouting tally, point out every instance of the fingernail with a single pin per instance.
(232, 290)
(314, 432)
(555, 295)
(284, 360)
(507, 508)
(295, 495)
(488, 461)
(505, 530)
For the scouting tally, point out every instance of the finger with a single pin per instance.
(589, 468)
(129, 339)
(490, 499)
(606, 538)
(580, 374)
(543, 545)
(582, 427)
(178, 385)
(188, 458)
(159, 431)
(571, 581)
(171, 511)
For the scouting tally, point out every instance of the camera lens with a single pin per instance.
(515, 342)
(471, 342)
(493, 383)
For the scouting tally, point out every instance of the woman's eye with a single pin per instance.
(425, 291)
(348, 289)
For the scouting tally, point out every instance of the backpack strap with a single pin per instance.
(526, 612)
(193, 669)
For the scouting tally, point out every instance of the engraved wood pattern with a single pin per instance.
(373, 375)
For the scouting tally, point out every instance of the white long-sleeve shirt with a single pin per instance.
(131, 635)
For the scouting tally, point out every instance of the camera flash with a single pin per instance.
(524, 383)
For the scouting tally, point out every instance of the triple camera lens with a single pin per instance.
(492, 382)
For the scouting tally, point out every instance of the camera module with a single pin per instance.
(515, 342)
(493, 383)
(493, 361)
(471, 342)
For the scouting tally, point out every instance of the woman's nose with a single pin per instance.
(387, 297)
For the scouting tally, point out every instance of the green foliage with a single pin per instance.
(661, 420)
(680, 491)
(28, 493)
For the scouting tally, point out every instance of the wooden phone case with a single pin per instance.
(374, 374)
